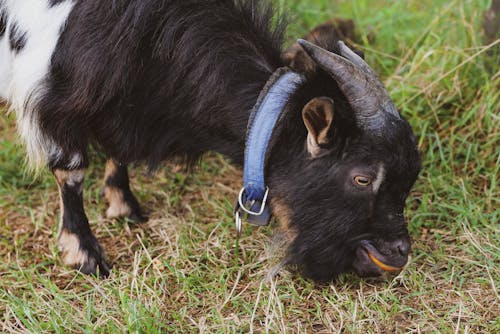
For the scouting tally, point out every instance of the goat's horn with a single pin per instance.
(346, 52)
(364, 91)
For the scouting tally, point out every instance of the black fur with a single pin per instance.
(145, 80)
(75, 222)
(17, 38)
(53, 3)
(3, 21)
(185, 73)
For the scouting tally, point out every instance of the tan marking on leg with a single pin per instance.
(111, 168)
(283, 213)
(61, 209)
(61, 176)
(117, 206)
(71, 178)
(69, 246)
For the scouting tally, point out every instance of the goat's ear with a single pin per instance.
(318, 118)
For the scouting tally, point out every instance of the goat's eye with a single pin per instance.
(363, 181)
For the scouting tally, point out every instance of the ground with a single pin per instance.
(183, 271)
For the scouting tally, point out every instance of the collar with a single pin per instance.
(266, 114)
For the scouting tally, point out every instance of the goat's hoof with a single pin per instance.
(95, 266)
(137, 217)
(83, 253)
(128, 209)
(134, 216)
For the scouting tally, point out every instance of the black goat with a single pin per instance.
(146, 80)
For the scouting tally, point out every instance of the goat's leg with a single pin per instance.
(78, 245)
(122, 203)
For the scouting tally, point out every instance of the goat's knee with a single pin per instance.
(122, 203)
(79, 248)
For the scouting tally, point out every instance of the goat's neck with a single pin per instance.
(230, 141)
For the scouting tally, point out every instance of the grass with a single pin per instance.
(179, 272)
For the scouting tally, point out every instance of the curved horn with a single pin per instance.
(364, 91)
(346, 52)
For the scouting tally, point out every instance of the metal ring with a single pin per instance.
(238, 223)
(250, 212)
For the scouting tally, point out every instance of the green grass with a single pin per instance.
(179, 272)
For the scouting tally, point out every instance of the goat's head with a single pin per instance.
(340, 195)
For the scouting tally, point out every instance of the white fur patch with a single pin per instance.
(76, 160)
(380, 178)
(22, 74)
(76, 177)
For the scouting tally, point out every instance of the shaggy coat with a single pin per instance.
(147, 80)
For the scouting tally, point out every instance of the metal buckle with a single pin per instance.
(250, 212)
(240, 205)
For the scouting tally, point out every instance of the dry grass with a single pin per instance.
(180, 272)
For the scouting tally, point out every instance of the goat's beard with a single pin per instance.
(318, 264)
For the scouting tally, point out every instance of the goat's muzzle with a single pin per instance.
(373, 260)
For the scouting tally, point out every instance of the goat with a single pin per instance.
(148, 80)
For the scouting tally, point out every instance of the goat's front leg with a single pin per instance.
(122, 203)
(78, 246)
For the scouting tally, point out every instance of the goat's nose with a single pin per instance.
(401, 246)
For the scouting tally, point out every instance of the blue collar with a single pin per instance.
(265, 115)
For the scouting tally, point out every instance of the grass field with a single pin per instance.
(180, 273)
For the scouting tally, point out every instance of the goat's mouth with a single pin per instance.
(371, 262)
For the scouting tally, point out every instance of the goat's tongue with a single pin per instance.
(382, 265)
